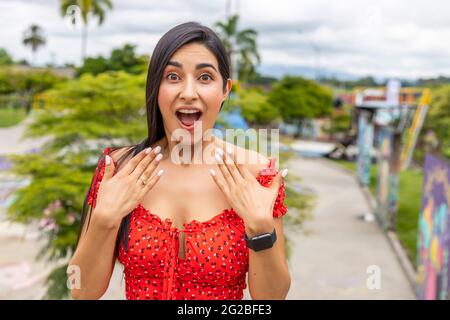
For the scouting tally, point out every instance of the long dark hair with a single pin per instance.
(169, 43)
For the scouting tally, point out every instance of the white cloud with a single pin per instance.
(405, 38)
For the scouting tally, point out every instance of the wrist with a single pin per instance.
(257, 227)
(105, 220)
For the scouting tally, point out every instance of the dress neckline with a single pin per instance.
(227, 213)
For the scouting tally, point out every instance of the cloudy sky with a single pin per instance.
(386, 38)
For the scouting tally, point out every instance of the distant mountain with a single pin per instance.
(278, 71)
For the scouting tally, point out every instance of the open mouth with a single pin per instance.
(187, 118)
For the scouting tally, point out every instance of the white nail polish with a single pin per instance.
(212, 172)
(157, 149)
(159, 157)
(147, 151)
(218, 158)
(160, 172)
(284, 172)
(219, 152)
(107, 160)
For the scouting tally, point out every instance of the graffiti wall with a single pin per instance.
(365, 143)
(434, 231)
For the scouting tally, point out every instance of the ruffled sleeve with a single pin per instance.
(265, 178)
(98, 176)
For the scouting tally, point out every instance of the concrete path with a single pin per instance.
(332, 261)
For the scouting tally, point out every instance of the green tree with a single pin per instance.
(241, 43)
(88, 8)
(80, 117)
(438, 118)
(255, 108)
(18, 87)
(5, 58)
(34, 38)
(298, 99)
(123, 58)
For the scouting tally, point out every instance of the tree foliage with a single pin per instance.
(297, 98)
(80, 117)
(19, 86)
(255, 108)
(5, 58)
(123, 58)
(438, 118)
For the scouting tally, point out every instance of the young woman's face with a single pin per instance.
(191, 91)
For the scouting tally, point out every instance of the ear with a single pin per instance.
(227, 89)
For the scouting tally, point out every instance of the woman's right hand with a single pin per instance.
(120, 193)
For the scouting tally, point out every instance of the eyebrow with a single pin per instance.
(198, 66)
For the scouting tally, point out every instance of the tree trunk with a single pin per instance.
(299, 128)
(84, 35)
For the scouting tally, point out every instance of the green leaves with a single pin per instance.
(123, 58)
(297, 98)
(255, 108)
(80, 117)
(438, 118)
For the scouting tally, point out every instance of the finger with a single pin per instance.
(109, 168)
(144, 164)
(278, 179)
(134, 161)
(231, 166)
(150, 167)
(150, 183)
(240, 166)
(222, 186)
(226, 174)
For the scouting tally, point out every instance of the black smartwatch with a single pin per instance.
(261, 241)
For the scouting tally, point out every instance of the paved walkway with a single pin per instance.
(332, 261)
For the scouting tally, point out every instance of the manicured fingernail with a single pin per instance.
(218, 158)
(160, 172)
(147, 151)
(230, 152)
(157, 149)
(212, 172)
(107, 160)
(219, 152)
(159, 157)
(284, 172)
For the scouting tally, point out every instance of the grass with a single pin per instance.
(10, 117)
(409, 205)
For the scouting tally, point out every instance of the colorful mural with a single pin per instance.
(365, 143)
(434, 232)
(385, 142)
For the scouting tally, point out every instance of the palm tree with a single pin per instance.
(240, 46)
(88, 8)
(34, 38)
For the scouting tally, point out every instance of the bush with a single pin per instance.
(80, 117)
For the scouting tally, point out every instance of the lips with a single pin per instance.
(187, 117)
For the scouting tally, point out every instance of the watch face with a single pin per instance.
(262, 242)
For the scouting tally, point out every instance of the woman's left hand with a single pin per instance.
(250, 200)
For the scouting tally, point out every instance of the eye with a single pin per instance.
(205, 77)
(172, 76)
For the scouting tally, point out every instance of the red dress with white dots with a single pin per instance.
(216, 259)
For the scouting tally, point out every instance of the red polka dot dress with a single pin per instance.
(216, 257)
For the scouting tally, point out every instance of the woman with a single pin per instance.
(164, 219)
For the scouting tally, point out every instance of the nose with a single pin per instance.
(189, 90)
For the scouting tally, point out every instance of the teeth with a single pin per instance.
(188, 111)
